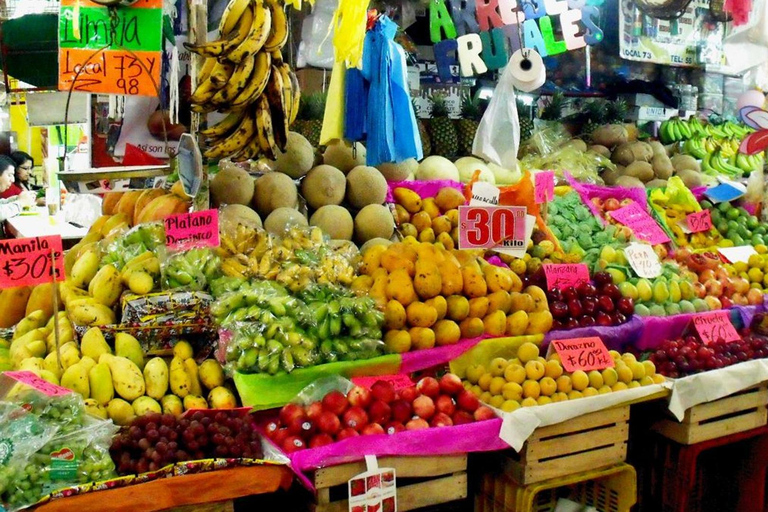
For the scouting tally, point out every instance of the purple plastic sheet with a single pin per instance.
(615, 337)
(423, 188)
(588, 192)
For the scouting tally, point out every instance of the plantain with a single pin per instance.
(232, 14)
(278, 34)
(237, 82)
(258, 34)
(226, 44)
(224, 127)
(276, 97)
(236, 141)
(264, 130)
(256, 83)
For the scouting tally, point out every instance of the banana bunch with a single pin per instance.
(245, 75)
(676, 129)
(716, 164)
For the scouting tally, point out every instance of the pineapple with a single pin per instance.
(309, 120)
(595, 114)
(553, 111)
(466, 126)
(616, 111)
(426, 143)
(442, 132)
(526, 123)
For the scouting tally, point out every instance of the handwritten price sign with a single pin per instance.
(27, 261)
(131, 40)
(583, 354)
(643, 260)
(641, 224)
(565, 274)
(489, 227)
(188, 230)
(544, 189)
(715, 326)
(35, 382)
(699, 221)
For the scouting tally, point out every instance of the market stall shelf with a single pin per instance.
(590, 441)
(441, 479)
(739, 412)
(39, 223)
(198, 490)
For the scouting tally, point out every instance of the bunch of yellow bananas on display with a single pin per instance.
(300, 257)
(245, 75)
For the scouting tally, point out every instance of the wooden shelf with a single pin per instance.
(116, 173)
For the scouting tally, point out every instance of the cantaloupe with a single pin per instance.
(398, 171)
(233, 214)
(323, 185)
(365, 185)
(374, 221)
(283, 218)
(342, 156)
(335, 221)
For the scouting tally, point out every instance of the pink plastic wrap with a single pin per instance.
(423, 359)
(615, 337)
(482, 436)
(588, 192)
(495, 260)
(423, 188)
(698, 193)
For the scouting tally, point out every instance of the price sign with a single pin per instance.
(41, 385)
(715, 326)
(699, 221)
(484, 194)
(643, 260)
(490, 227)
(399, 381)
(544, 189)
(563, 275)
(641, 223)
(739, 253)
(131, 39)
(27, 261)
(583, 354)
(189, 230)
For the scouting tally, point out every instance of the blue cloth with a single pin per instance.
(391, 131)
(355, 109)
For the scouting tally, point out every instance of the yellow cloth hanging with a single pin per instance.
(333, 118)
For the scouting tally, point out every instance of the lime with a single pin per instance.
(733, 225)
(743, 232)
(752, 222)
(737, 240)
(743, 212)
(732, 214)
(758, 240)
(715, 215)
(722, 226)
(706, 204)
(760, 230)
(724, 207)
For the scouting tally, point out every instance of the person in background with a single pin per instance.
(23, 164)
(13, 206)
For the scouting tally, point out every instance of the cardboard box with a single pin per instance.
(313, 79)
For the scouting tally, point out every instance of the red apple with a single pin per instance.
(428, 386)
(359, 396)
(401, 410)
(314, 410)
(380, 412)
(302, 426)
(319, 440)
(346, 433)
(445, 404)
(462, 417)
(408, 394)
(467, 401)
(328, 423)
(355, 417)
(450, 384)
(372, 428)
(271, 428)
(383, 390)
(424, 407)
(441, 420)
(290, 411)
(393, 427)
(416, 424)
(484, 413)
(293, 444)
(335, 402)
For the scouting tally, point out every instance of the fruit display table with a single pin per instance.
(180, 491)
(39, 223)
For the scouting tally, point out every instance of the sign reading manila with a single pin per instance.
(112, 52)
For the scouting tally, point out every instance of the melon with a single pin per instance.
(342, 156)
(298, 157)
(232, 186)
(436, 168)
(398, 171)
(468, 165)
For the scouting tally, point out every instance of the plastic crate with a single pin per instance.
(611, 489)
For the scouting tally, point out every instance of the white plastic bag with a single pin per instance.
(498, 135)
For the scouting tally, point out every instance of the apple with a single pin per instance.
(445, 405)
(393, 427)
(467, 401)
(611, 290)
(626, 306)
(441, 420)
(401, 410)
(270, 429)
(355, 417)
(359, 396)
(319, 440)
(428, 386)
(604, 319)
(586, 289)
(589, 305)
(574, 308)
(483, 413)
(346, 433)
(450, 384)
(290, 411)
(559, 309)
(586, 321)
(602, 279)
(554, 294)
(424, 407)
(416, 424)
(328, 423)
(335, 402)
(379, 411)
(280, 436)
(372, 428)
(314, 410)
(570, 294)
(301, 426)
(408, 394)
(462, 417)
(293, 444)
(383, 390)
(605, 303)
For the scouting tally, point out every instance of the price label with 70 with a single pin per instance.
(31, 261)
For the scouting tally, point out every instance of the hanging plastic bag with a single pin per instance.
(498, 135)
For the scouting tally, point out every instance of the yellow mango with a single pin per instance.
(447, 332)
(440, 305)
(400, 287)
(478, 307)
(451, 278)
(539, 298)
(427, 280)
(378, 289)
(429, 206)
(499, 301)
(420, 315)
(394, 315)
(495, 324)
(539, 322)
(372, 259)
(409, 199)
(517, 323)
(474, 283)
(392, 260)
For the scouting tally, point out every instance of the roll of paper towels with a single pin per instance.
(528, 70)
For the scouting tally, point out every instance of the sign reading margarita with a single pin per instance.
(115, 53)
(481, 35)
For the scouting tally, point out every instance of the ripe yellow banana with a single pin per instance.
(257, 36)
(207, 87)
(237, 82)
(221, 74)
(284, 70)
(296, 91)
(227, 43)
(234, 142)
(276, 96)
(232, 14)
(278, 34)
(256, 83)
(264, 130)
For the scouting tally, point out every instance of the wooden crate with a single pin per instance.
(588, 442)
(739, 412)
(421, 481)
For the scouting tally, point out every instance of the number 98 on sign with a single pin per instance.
(489, 227)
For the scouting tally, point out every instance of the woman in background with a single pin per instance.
(24, 199)
(23, 169)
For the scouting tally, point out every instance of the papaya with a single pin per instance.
(127, 203)
(161, 207)
(13, 305)
(109, 202)
(144, 199)
(178, 190)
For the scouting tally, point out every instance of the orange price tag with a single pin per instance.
(583, 354)
(27, 261)
(715, 326)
